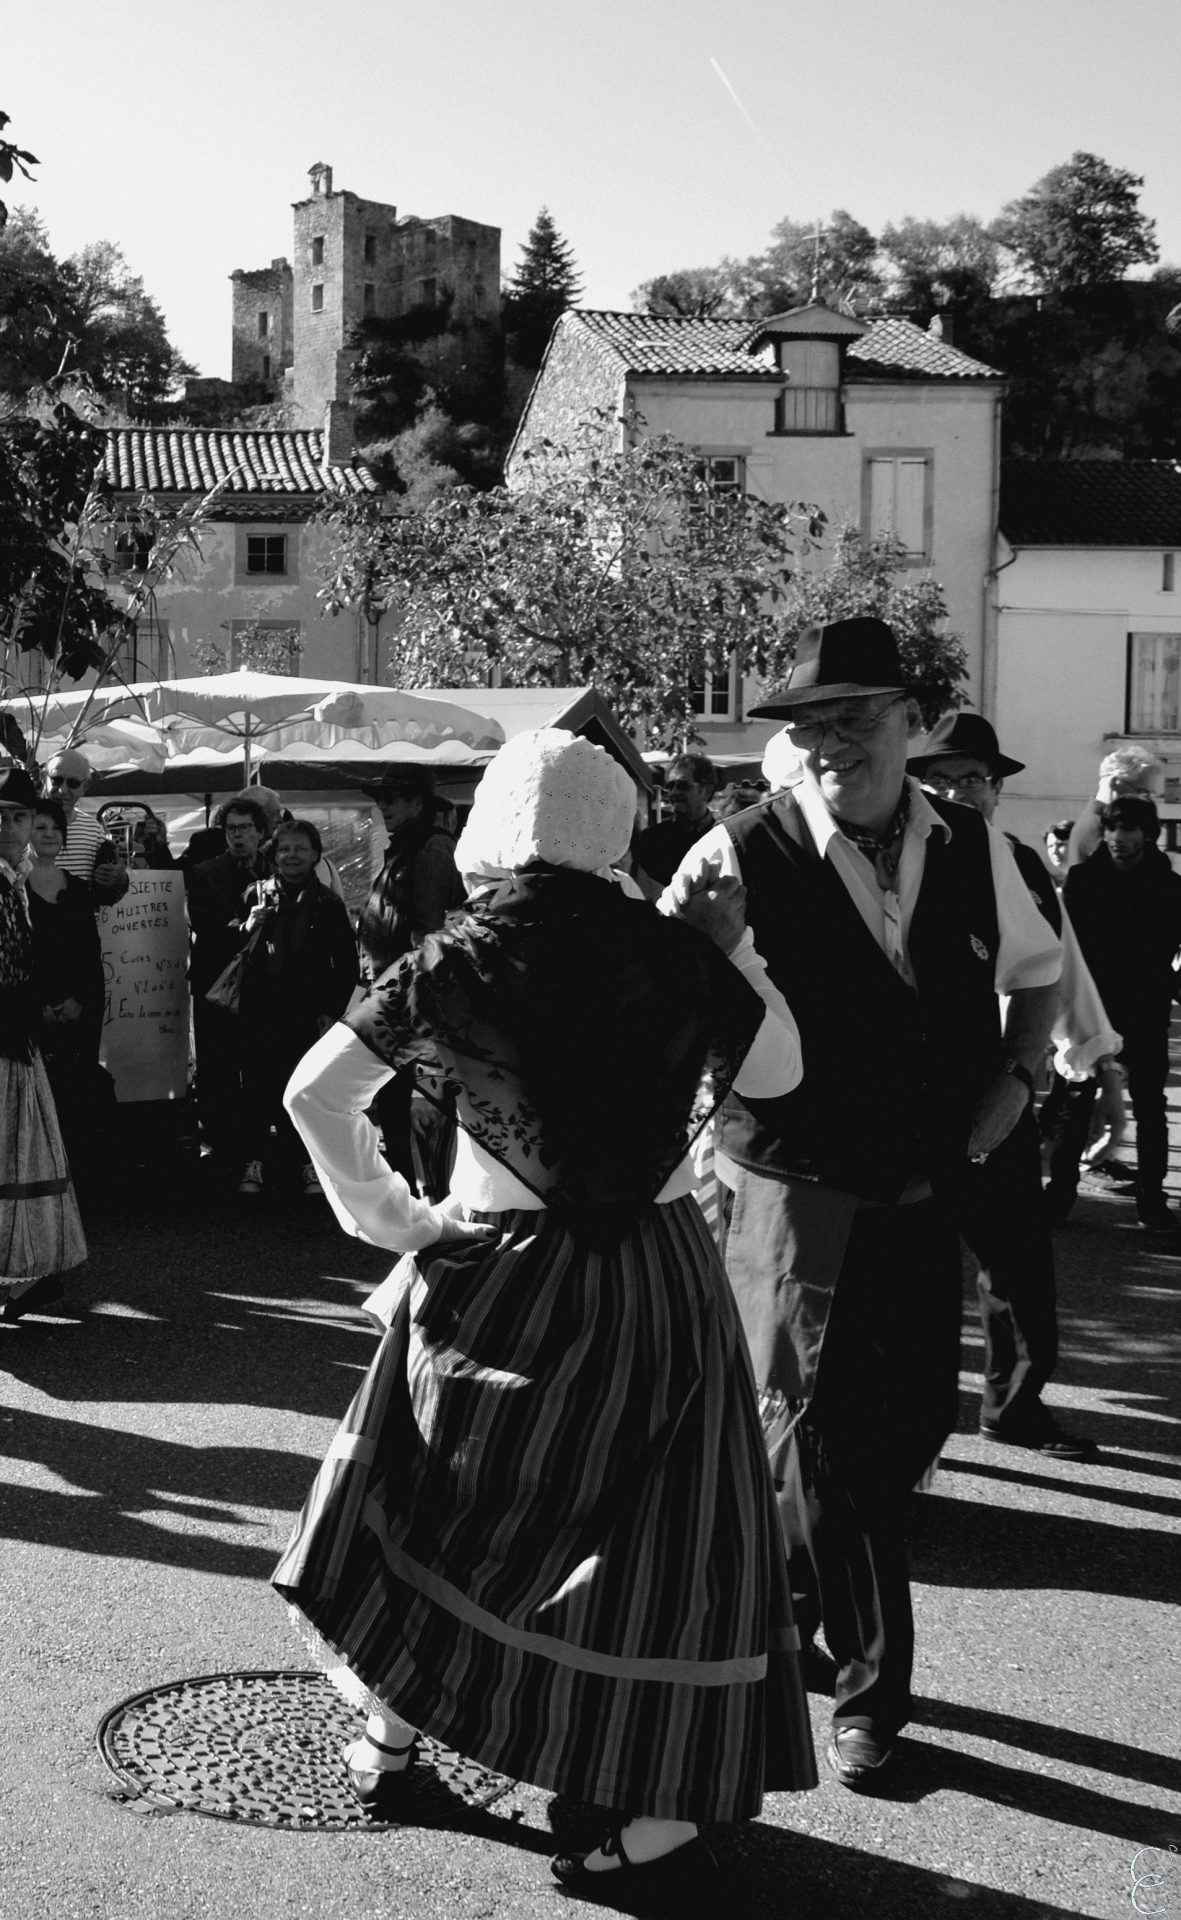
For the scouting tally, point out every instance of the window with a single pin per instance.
(370, 249)
(266, 553)
(1154, 683)
(268, 646)
(133, 550)
(811, 402)
(266, 366)
(896, 497)
(725, 474)
(317, 253)
(1168, 572)
(430, 289)
(716, 697)
(151, 646)
(264, 325)
(368, 298)
(317, 298)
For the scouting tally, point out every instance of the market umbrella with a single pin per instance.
(216, 718)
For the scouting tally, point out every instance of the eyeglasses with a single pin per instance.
(961, 783)
(853, 724)
(64, 780)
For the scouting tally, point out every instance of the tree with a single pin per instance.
(544, 283)
(13, 159)
(695, 293)
(1079, 225)
(837, 260)
(935, 264)
(622, 569)
(869, 577)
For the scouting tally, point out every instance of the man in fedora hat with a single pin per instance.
(1002, 1214)
(891, 922)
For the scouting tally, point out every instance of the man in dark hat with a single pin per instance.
(1002, 1214)
(411, 897)
(891, 922)
(690, 783)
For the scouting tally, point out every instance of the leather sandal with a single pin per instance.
(381, 1791)
(662, 1875)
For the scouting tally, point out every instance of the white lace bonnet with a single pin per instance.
(548, 795)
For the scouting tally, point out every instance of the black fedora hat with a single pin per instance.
(845, 659)
(968, 733)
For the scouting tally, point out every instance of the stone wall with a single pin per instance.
(263, 347)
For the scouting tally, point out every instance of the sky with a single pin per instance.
(660, 133)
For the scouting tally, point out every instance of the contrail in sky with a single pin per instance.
(763, 142)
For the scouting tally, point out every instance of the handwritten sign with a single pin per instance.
(145, 943)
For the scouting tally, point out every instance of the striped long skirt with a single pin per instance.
(40, 1229)
(546, 1533)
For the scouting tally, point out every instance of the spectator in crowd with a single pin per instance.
(1001, 1212)
(1057, 844)
(150, 850)
(1125, 903)
(891, 922)
(690, 784)
(89, 853)
(1129, 771)
(215, 890)
(297, 980)
(40, 1231)
(546, 1535)
(71, 993)
(412, 895)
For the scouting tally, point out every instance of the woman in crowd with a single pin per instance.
(300, 971)
(546, 1534)
(71, 993)
(40, 1231)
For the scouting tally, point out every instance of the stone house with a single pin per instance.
(1088, 629)
(260, 548)
(353, 258)
(875, 422)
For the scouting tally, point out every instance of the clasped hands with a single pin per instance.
(713, 902)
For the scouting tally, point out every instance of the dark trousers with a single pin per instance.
(1001, 1213)
(883, 1402)
(217, 1044)
(270, 1054)
(1146, 1060)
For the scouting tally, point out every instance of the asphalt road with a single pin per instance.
(159, 1432)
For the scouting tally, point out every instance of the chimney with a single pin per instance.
(340, 434)
(321, 179)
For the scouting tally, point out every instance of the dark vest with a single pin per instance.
(891, 1074)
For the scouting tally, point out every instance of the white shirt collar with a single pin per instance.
(823, 826)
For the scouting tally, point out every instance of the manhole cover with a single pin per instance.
(266, 1748)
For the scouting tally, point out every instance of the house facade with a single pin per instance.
(1088, 629)
(261, 547)
(881, 424)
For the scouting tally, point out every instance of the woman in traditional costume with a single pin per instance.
(546, 1533)
(40, 1231)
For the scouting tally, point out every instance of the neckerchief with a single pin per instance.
(883, 850)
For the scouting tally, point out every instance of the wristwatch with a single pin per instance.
(1019, 1073)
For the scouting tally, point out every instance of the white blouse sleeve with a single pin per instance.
(773, 1064)
(326, 1097)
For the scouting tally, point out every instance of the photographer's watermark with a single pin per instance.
(1155, 1873)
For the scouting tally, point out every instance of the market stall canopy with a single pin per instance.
(581, 710)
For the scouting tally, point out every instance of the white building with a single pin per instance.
(1088, 629)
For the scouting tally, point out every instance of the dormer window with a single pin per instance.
(811, 401)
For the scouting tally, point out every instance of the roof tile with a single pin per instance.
(188, 460)
(1091, 503)
(653, 343)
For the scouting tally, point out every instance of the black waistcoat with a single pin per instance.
(891, 1074)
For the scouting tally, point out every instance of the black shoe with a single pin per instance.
(1113, 1174)
(1155, 1213)
(378, 1790)
(689, 1869)
(33, 1299)
(1058, 1202)
(857, 1755)
(1040, 1434)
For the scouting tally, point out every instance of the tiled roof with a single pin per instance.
(1091, 503)
(653, 343)
(189, 460)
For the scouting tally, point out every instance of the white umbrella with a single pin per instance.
(197, 718)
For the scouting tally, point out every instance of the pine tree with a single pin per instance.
(546, 281)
